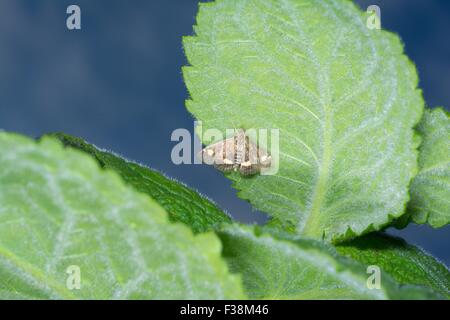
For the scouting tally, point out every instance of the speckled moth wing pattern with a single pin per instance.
(237, 153)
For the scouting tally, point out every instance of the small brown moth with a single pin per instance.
(237, 153)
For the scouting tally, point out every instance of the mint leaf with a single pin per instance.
(278, 266)
(181, 203)
(430, 189)
(59, 209)
(405, 263)
(343, 97)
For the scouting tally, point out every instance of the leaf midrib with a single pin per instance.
(312, 223)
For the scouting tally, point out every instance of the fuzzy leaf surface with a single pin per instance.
(181, 202)
(430, 189)
(60, 212)
(343, 97)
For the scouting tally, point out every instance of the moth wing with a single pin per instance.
(240, 142)
(224, 167)
(247, 168)
(250, 162)
(256, 158)
(207, 155)
(252, 153)
(220, 154)
(226, 151)
(265, 160)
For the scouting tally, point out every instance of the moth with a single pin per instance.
(237, 153)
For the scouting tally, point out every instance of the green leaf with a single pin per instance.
(343, 97)
(182, 203)
(278, 266)
(405, 263)
(59, 209)
(430, 189)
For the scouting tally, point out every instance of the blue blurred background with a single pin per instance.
(117, 82)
